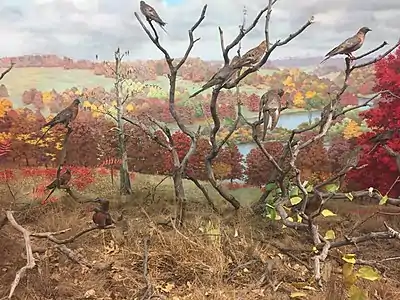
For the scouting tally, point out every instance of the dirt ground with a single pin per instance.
(236, 256)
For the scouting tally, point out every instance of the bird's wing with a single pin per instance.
(151, 13)
(347, 46)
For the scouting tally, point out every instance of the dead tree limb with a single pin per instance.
(6, 71)
(178, 165)
(30, 260)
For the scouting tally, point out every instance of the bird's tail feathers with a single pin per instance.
(275, 119)
(325, 59)
(267, 120)
(162, 27)
(196, 93)
(43, 134)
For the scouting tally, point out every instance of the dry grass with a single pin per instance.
(204, 260)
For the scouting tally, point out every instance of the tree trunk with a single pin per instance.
(125, 182)
(180, 196)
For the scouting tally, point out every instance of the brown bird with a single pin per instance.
(270, 107)
(324, 115)
(252, 56)
(64, 117)
(222, 76)
(350, 45)
(151, 15)
(352, 160)
(64, 180)
(104, 204)
(382, 138)
(101, 218)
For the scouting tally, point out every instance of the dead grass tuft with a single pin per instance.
(233, 256)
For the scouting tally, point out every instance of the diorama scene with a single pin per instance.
(187, 150)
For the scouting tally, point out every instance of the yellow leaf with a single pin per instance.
(357, 294)
(347, 269)
(295, 200)
(350, 258)
(87, 104)
(368, 273)
(330, 235)
(349, 196)
(327, 213)
(290, 219)
(383, 200)
(298, 295)
(310, 94)
(299, 219)
(314, 249)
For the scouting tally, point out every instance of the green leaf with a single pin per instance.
(295, 200)
(383, 200)
(327, 213)
(294, 191)
(309, 188)
(368, 273)
(330, 235)
(298, 295)
(349, 258)
(270, 186)
(349, 196)
(331, 188)
(357, 294)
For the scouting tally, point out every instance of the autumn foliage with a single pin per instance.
(382, 171)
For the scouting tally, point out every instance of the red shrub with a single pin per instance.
(381, 171)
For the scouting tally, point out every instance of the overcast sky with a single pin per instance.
(82, 28)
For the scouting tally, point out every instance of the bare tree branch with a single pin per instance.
(6, 71)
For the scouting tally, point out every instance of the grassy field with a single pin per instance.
(22, 79)
(235, 255)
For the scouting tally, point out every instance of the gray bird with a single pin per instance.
(350, 45)
(252, 56)
(66, 116)
(324, 114)
(151, 15)
(270, 107)
(352, 159)
(222, 76)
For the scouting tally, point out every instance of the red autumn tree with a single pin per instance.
(259, 168)
(231, 155)
(381, 171)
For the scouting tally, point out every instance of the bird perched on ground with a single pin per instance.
(101, 218)
(350, 45)
(104, 204)
(270, 107)
(151, 15)
(252, 56)
(65, 117)
(64, 180)
(382, 138)
(222, 76)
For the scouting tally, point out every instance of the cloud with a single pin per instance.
(84, 28)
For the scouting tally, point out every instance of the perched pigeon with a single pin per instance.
(64, 117)
(64, 180)
(220, 78)
(270, 107)
(252, 56)
(151, 14)
(394, 154)
(350, 45)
